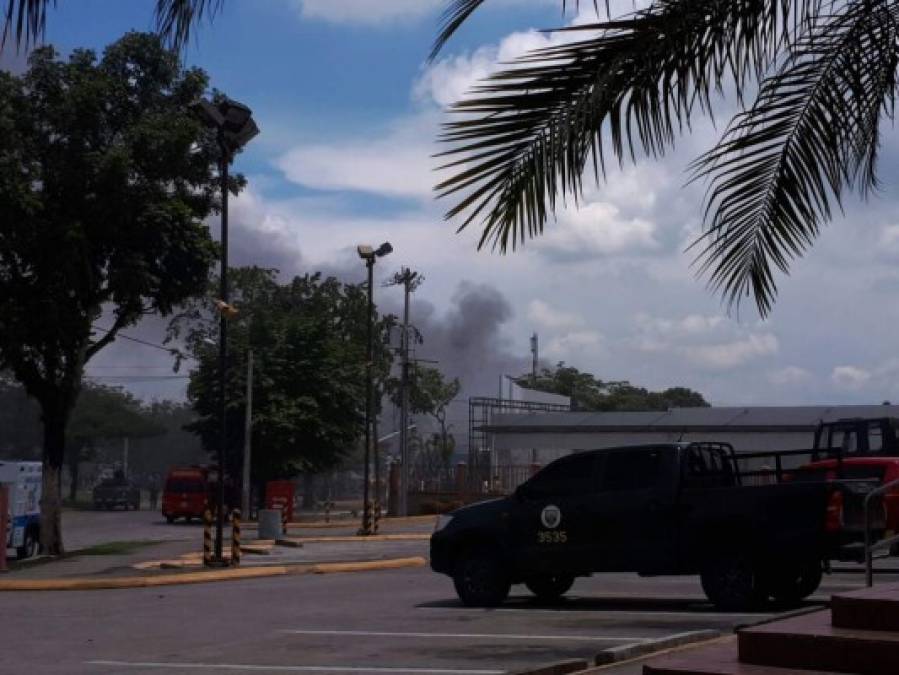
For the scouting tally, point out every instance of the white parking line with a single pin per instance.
(289, 669)
(636, 613)
(467, 636)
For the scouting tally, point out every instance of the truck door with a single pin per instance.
(633, 513)
(551, 529)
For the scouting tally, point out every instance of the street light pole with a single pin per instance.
(234, 127)
(370, 256)
(369, 355)
(247, 441)
(223, 353)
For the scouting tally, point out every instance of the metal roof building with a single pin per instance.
(541, 437)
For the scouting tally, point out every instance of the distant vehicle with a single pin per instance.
(190, 490)
(24, 481)
(856, 437)
(678, 508)
(116, 492)
(858, 448)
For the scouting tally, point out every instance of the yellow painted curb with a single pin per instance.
(356, 538)
(347, 523)
(205, 576)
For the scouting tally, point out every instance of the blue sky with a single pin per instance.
(349, 112)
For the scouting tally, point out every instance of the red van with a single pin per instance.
(186, 492)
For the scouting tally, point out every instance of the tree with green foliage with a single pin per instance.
(587, 392)
(103, 414)
(106, 177)
(429, 394)
(308, 338)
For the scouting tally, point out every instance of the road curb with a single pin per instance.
(557, 668)
(299, 541)
(640, 649)
(205, 576)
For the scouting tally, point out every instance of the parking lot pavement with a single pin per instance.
(402, 622)
(82, 529)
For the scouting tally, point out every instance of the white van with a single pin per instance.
(24, 524)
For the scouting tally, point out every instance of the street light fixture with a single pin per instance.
(234, 126)
(370, 256)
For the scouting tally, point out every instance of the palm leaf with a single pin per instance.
(528, 133)
(457, 13)
(26, 20)
(176, 18)
(812, 132)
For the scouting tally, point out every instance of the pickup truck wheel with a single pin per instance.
(732, 584)
(797, 582)
(29, 548)
(480, 580)
(549, 587)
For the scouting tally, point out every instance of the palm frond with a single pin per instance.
(457, 13)
(176, 18)
(812, 133)
(528, 133)
(25, 20)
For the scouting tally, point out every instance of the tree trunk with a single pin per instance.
(73, 475)
(308, 490)
(51, 508)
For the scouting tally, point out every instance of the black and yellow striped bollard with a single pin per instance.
(207, 538)
(235, 538)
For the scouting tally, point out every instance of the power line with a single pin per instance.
(138, 378)
(170, 350)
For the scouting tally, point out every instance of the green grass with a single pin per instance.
(114, 548)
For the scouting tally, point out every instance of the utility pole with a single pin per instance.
(125, 457)
(534, 352)
(247, 440)
(410, 281)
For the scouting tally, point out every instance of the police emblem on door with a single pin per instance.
(551, 516)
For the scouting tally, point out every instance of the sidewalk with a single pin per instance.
(309, 545)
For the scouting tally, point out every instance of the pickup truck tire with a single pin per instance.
(480, 580)
(796, 582)
(732, 583)
(30, 546)
(549, 587)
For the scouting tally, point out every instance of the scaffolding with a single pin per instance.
(481, 410)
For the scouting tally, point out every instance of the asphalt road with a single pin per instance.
(405, 622)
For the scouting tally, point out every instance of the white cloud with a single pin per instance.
(547, 316)
(596, 229)
(396, 164)
(791, 375)
(850, 377)
(375, 12)
(732, 354)
(573, 345)
(692, 324)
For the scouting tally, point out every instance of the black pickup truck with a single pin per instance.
(677, 508)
